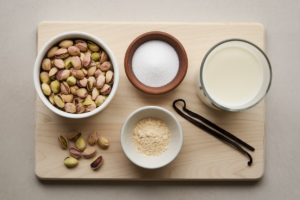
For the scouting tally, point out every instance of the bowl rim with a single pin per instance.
(155, 108)
(145, 88)
(37, 70)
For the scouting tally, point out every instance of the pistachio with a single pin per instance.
(51, 52)
(68, 63)
(74, 89)
(63, 74)
(93, 137)
(80, 144)
(63, 141)
(46, 89)
(103, 142)
(74, 51)
(80, 108)
(97, 73)
(87, 60)
(51, 99)
(99, 100)
(61, 53)
(82, 93)
(90, 83)
(70, 108)
(109, 77)
(55, 86)
(103, 73)
(97, 162)
(78, 74)
(59, 63)
(59, 101)
(100, 81)
(92, 46)
(105, 90)
(46, 64)
(77, 101)
(68, 98)
(89, 152)
(82, 56)
(84, 71)
(76, 62)
(44, 76)
(74, 135)
(52, 73)
(71, 80)
(91, 71)
(70, 162)
(82, 45)
(95, 93)
(88, 98)
(89, 105)
(82, 82)
(105, 66)
(95, 56)
(65, 44)
(64, 88)
(75, 153)
(88, 51)
(103, 57)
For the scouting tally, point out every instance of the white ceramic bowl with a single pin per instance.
(165, 158)
(54, 41)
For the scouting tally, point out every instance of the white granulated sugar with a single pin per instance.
(155, 63)
(151, 137)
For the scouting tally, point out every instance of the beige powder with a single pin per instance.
(151, 137)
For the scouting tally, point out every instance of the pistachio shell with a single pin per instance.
(55, 86)
(77, 101)
(51, 52)
(74, 89)
(92, 46)
(82, 45)
(71, 80)
(82, 82)
(105, 90)
(82, 56)
(70, 162)
(80, 144)
(78, 74)
(59, 101)
(59, 63)
(63, 141)
(93, 138)
(68, 98)
(103, 142)
(103, 57)
(68, 63)
(99, 100)
(65, 44)
(97, 162)
(91, 107)
(74, 51)
(91, 71)
(63, 74)
(97, 73)
(105, 66)
(46, 89)
(74, 135)
(100, 81)
(80, 108)
(70, 108)
(52, 73)
(87, 60)
(75, 153)
(64, 87)
(84, 71)
(109, 78)
(89, 152)
(87, 103)
(95, 93)
(88, 98)
(46, 64)
(61, 53)
(82, 93)
(95, 56)
(51, 99)
(44, 76)
(76, 62)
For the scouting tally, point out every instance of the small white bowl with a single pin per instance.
(54, 41)
(166, 157)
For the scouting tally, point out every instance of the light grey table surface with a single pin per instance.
(18, 26)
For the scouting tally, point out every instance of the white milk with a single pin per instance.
(232, 76)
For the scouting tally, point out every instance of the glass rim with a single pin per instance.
(201, 75)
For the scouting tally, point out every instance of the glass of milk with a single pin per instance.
(235, 75)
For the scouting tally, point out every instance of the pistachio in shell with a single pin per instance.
(82, 82)
(61, 53)
(100, 81)
(52, 73)
(88, 98)
(95, 56)
(105, 66)
(73, 51)
(74, 135)
(82, 45)
(82, 93)
(65, 44)
(51, 52)
(63, 141)
(71, 80)
(74, 89)
(89, 152)
(59, 101)
(99, 100)
(97, 73)
(46, 64)
(75, 153)
(92, 46)
(63, 74)
(109, 78)
(64, 87)
(70, 162)
(91, 71)
(80, 108)
(68, 98)
(51, 99)
(103, 57)
(95, 93)
(87, 60)
(93, 138)
(103, 142)
(70, 108)
(97, 162)
(78, 74)
(46, 89)
(91, 81)
(84, 71)
(89, 105)
(80, 144)
(77, 101)
(68, 63)
(76, 62)
(105, 90)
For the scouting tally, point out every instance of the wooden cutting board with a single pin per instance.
(202, 157)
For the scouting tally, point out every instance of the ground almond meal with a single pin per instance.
(151, 137)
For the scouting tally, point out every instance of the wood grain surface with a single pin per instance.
(202, 157)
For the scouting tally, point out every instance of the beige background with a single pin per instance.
(18, 23)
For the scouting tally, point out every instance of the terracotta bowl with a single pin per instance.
(156, 35)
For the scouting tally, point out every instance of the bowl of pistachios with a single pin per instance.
(76, 75)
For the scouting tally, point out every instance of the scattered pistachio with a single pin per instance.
(74, 135)
(105, 90)
(75, 153)
(103, 142)
(89, 152)
(70, 162)
(80, 144)
(105, 66)
(74, 51)
(51, 52)
(55, 86)
(93, 137)
(63, 141)
(65, 44)
(46, 89)
(99, 100)
(97, 162)
(44, 76)
(70, 108)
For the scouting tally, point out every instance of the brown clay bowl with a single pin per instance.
(156, 35)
